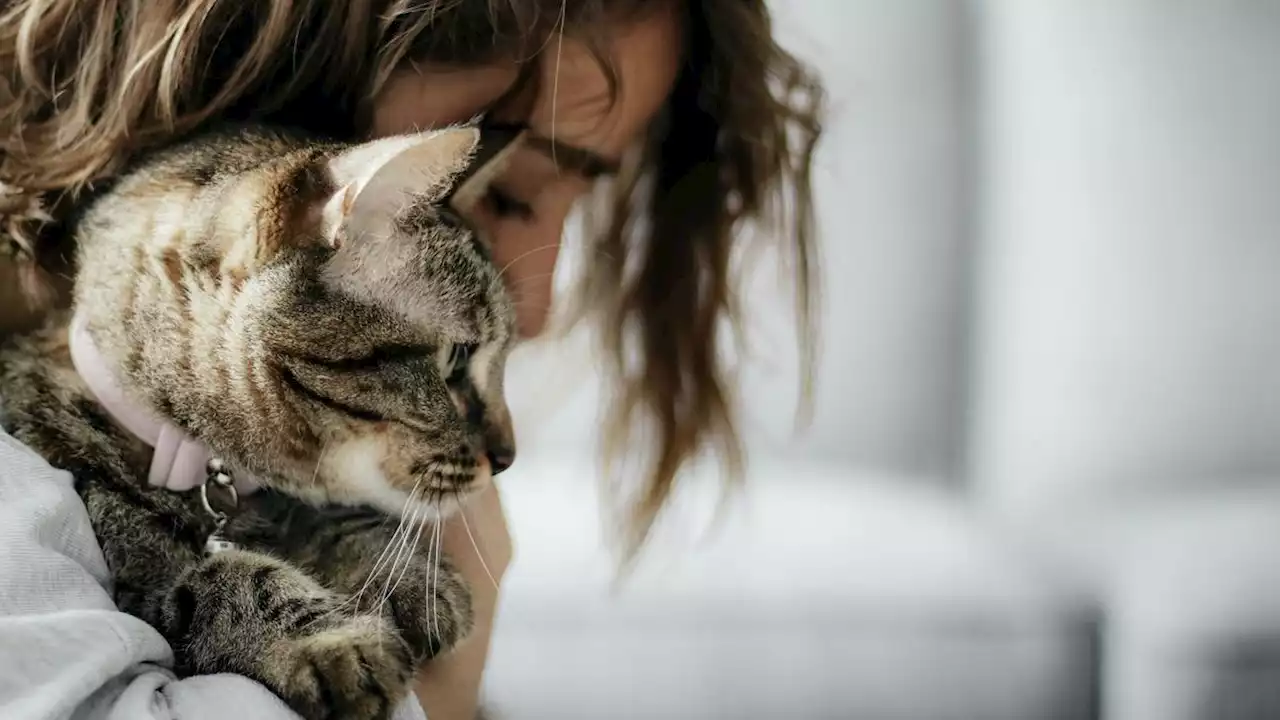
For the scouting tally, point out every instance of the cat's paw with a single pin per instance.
(252, 614)
(359, 669)
(434, 613)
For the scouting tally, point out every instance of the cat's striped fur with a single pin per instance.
(318, 316)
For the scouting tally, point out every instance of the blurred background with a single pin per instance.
(1043, 480)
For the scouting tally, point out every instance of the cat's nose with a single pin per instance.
(499, 438)
(500, 447)
(500, 459)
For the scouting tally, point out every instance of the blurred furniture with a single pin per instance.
(1044, 477)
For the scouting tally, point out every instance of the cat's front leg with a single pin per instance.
(239, 611)
(252, 614)
(384, 565)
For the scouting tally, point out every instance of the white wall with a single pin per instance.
(1130, 313)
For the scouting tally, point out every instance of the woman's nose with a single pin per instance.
(524, 250)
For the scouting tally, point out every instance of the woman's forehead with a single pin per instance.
(574, 101)
(571, 100)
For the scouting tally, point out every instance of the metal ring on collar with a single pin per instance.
(218, 477)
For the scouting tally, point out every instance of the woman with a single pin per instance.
(676, 121)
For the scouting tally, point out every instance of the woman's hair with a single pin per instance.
(87, 84)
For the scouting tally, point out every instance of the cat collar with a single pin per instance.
(178, 461)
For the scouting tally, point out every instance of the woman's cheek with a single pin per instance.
(526, 254)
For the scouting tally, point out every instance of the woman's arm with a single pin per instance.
(480, 546)
(64, 647)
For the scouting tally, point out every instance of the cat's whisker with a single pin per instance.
(400, 527)
(517, 301)
(353, 600)
(431, 551)
(394, 562)
(410, 549)
(531, 278)
(542, 248)
(433, 587)
(555, 83)
(336, 610)
(315, 474)
(404, 552)
(462, 513)
(415, 525)
(392, 542)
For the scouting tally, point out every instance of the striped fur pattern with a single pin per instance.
(318, 316)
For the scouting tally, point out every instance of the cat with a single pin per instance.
(317, 318)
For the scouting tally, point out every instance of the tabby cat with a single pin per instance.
(318, 318)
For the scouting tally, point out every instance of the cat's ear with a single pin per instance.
(378, 179)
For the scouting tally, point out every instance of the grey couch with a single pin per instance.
(1044, 477)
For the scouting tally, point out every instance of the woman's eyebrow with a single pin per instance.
(587, 163)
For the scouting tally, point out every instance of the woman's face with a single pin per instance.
(577, 135)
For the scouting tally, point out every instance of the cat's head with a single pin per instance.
(391, 340)
(324, 318)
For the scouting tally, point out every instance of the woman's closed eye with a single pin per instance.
(503, 205)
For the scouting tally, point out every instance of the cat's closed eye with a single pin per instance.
(452, 359)
(373, 358)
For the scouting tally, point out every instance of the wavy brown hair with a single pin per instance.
(87, 84)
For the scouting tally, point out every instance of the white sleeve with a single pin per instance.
(65, 650)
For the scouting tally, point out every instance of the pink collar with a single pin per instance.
(180, 462)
